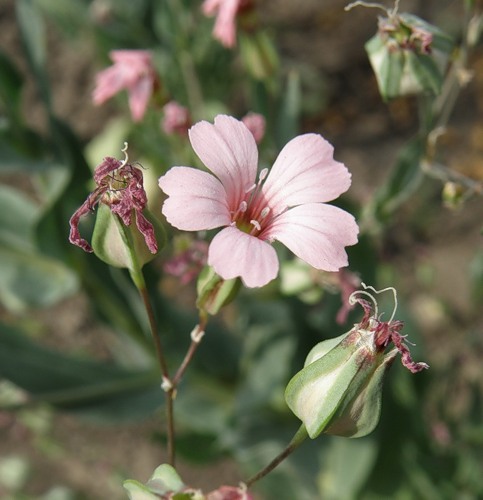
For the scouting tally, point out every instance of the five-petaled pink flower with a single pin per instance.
(287, 204)
(225, 24)
(132, 70)
(119, 186)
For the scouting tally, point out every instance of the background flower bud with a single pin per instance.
(408, 56)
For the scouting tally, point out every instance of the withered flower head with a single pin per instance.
(120, 187)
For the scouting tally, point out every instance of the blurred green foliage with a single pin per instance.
(231, 400)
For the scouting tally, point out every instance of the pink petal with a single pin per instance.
(210, 7)
(229, 150)
(317, 233)
(139, 58)
(305, 172)
(197, 200)
(225, 24)
(139, 95)
(233, 253)
(108, 83)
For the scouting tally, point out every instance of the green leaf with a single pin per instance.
(10, 86)
(32, 280)
(69, 16)
(358, 456)
(99, 390)
(403, 180)
(17, 218)
(32, 31)
(289, 117)
(476, 277)
(13, 161)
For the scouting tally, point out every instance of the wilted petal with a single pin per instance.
(229, 150)
(74, 236)
(317, 233)
(233, 253)
(147, 230)
(305, 172)
(197, 200)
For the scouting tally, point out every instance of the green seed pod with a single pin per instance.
(340, 387)
(408, 56)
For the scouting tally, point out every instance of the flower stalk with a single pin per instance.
(299, 437)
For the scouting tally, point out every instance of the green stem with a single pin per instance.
(296, 441)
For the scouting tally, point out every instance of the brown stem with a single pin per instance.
(196, 337)
(170, 392)
(154, 332)
(298, 439)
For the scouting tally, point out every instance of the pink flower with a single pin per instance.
(255, 123)
(286, 204)
(133, 71)
(187, 262)
(176, 119)
(225, 24)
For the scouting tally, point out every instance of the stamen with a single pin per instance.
(353, 300)
(250, 189)
(256, 224)
(241, 209)
(263, 174)
(126, 157)
(264, 212)
(392, 289)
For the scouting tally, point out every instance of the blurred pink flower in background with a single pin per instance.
(176, 120)
(255, 123)
(287, 204)
(188, 260)
(225, 24)
(132, 71)
(229, 493)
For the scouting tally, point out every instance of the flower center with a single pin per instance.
(252, 215)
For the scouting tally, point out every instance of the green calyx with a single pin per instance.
(339, 390)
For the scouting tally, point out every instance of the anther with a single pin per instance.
(264, 212)
(256, 224)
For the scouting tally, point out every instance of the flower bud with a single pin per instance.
(214, 292)
(122, 200)
(339, 389)
(408, 56)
